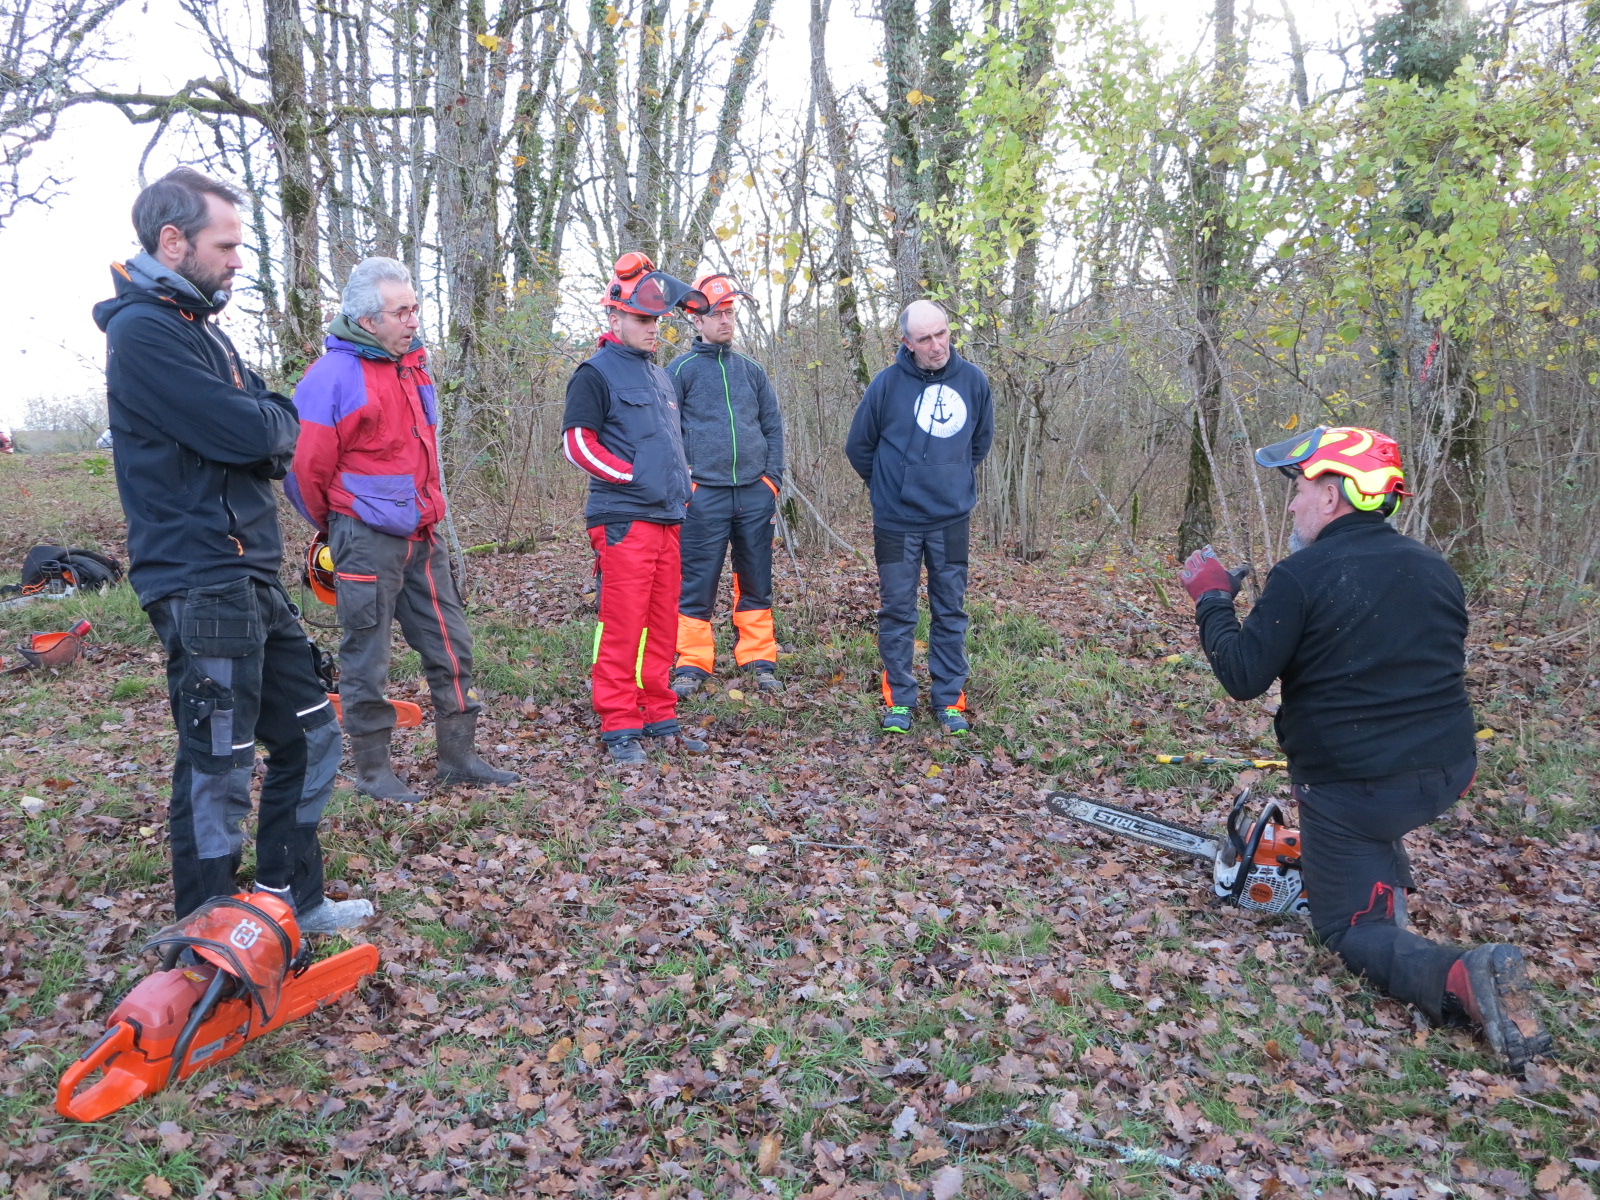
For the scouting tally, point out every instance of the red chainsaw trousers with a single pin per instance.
(637, 578)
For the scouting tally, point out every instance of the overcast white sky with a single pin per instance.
(56, 259)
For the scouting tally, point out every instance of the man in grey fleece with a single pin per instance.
(733, 438)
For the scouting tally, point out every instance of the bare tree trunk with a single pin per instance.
(845, 300)
(1209, 259)
(291, 129)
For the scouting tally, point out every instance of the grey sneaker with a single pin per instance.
(897, 719)
(955, 724)
(335, 916)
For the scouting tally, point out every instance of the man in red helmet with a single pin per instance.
(733, 436)
(1367, 630)
(621, 427)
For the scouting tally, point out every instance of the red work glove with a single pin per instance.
(1202, 573)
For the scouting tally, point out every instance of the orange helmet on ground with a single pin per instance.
(721, 290)
(1368, 463)
(637, 287)
(253, 936)
(320, 577)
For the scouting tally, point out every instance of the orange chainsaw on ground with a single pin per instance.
(233, 970)
(1255, 864)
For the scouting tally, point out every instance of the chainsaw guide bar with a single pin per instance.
(1152, 831)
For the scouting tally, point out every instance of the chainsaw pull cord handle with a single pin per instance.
(1235, 839)
(202, 1010)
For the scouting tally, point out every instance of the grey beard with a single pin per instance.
(1296, 542)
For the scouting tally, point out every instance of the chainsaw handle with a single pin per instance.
(116, 1087)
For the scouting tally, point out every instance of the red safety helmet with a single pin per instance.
(721, 290)
(1367, 461)
(320, 576)
(253, 936)
(637, 287)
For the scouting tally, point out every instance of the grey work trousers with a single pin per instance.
(383, 578)
(901, 557)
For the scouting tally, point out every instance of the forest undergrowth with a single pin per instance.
(813, 962)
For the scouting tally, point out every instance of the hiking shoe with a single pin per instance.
(897, 719)
(686, 681)
(334, 916)
(954, 722)
(626, 752)
(767, 679)
(1488, 985)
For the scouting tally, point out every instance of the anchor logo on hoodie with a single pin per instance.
(941, 411)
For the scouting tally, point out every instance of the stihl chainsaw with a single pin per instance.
(231, 971)
(1255, 864)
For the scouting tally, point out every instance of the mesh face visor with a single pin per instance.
(721, 291)
(657, 294)
(241, 939)
(1288, 454)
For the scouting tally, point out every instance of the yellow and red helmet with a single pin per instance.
(320, 576)
(721, 290)
(1368, 463)
(637, 287)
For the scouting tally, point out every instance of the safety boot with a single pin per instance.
(458, 761)
(375, 775)
(626, 752)
(686, 681)
(767, 678)
(676, 739)
(1488, 986)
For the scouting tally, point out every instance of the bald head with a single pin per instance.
(925, 331)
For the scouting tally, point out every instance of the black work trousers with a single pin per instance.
(239, 671)
(1357, 874)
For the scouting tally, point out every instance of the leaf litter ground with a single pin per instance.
(815, 962)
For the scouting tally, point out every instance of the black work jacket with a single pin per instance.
(1367, 629)
(641, 427)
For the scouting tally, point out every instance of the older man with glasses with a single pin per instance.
(366, 474)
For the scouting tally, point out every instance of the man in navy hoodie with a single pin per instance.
(200, 439)
(923, 427)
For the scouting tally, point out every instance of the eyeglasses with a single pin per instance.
(403, 314)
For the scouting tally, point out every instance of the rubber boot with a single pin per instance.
(458, 762)
(375, 775)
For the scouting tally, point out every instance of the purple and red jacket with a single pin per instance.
(367, 446)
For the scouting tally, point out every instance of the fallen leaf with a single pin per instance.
(946, 1183)
(558, 1050)
(156, 1186)
(767, 1154)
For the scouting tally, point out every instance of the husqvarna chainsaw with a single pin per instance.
(1255, 863)
(231, 971)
